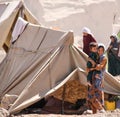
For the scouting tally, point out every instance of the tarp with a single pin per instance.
(9, 12)
(39, 62)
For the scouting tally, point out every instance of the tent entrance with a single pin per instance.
(66, 100)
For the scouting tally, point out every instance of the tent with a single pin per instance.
(39, 62)
(9, 12)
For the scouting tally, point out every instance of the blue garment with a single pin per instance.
(95, 92)
(99, 75)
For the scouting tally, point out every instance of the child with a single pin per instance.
(92, 61)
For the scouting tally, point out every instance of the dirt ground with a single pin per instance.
(57, 115)
(115, 113)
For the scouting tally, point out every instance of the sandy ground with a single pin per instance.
(115, 113)
(51, 115)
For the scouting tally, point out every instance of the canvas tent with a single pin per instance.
(9, 12)
(39, 62)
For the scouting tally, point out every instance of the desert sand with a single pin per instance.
(115, 113)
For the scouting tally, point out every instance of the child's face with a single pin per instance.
(100, 51)
(94, 49)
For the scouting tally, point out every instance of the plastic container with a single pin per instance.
(110, 105)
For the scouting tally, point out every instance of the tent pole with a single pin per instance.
(63, 99)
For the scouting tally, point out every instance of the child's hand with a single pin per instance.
(98, 67)
(87, 70)
(92, 62)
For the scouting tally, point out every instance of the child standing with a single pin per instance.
(92, 62)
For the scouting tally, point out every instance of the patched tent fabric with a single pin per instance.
(39, 62)
(9, 12)
(31, 55)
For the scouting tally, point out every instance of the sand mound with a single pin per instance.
(98, 15)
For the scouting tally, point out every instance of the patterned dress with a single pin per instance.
(95, 92)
